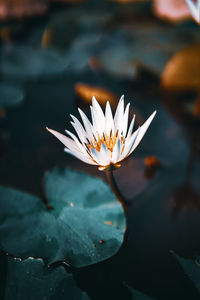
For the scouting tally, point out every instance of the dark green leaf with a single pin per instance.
(191, 268)
(86, 224)
(31, 279)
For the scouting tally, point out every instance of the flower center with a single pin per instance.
(108, 140)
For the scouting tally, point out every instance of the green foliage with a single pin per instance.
(31, 279)
(191, 268)
(10, 95)
(85, 225)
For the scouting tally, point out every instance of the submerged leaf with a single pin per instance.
(36, 63)
(31, 279)
(86, 224)
(10, 95)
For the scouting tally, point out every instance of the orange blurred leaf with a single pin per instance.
(86, 92)
(182, 72)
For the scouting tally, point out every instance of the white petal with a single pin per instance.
(130, 128)
(109, 123)
(125, 119)
(88, 126)
(194, 9)
(95, 123)
(142, 132)
(79, 129)
(98, 117)
(118, 119)
(106, 153)
(81, 157)
(81, 147)
(64, 139)
(102, 157)
(129, 144)
(116, 151)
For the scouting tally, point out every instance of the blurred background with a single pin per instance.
(54, 56)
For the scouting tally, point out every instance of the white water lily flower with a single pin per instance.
(194, 7)
(106, 141)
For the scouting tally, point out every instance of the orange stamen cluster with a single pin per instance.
(108, 140)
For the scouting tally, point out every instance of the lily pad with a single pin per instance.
(86, 224)
(31, 279)
(191, 268)
(10, 95)
(37, 62)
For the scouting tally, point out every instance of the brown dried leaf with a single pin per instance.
(94, 63)
(2, 113)
(69, 1)
(182, 72)
(21, 9)
(152, 164)
(86, 92)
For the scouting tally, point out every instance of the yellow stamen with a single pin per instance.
(109, 141)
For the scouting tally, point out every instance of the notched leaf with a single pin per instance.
(32, 279)
(67, 231)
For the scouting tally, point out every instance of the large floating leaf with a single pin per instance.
(191, 268)
(31, 279)
(36, 63)
(10, 95)
(85, 226)
(136, 45)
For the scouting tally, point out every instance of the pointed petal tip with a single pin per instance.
(72, 116)
(121, 98)
(49, 129)
(154, 113)
(94, 100)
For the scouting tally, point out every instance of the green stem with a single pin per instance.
(115, 188)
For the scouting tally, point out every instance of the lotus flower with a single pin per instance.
(106, 141)
(194, 9)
